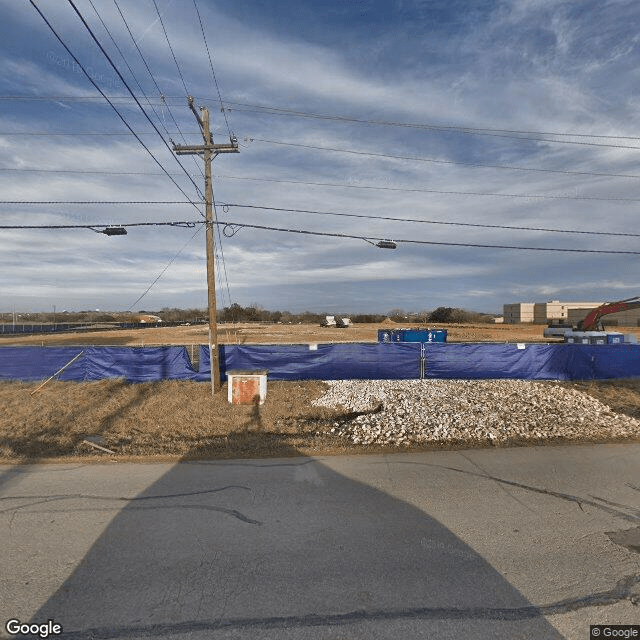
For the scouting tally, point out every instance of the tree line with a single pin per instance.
(251, 313)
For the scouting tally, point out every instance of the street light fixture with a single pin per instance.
(114, 231)
(382, 244)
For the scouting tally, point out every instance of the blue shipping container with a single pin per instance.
(412, 335)
(425, 335)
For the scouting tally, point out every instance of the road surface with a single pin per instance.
(535, 542)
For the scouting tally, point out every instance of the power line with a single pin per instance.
(88, 171)
(224, 114)
(292, 112)
(186, 91)
(37, 202)
(133, 75)
(232, 225)
(349, 186)
(213, 73)
(166, 35)
(86, 73)
(230, 228)
(173, 259)
(439, 191)
(227, 205)
(450, 162)
(79, 134)
(161, 96)
(422, 221)
(163, 102)
(128, 88)
(185, 224)
(496, 133)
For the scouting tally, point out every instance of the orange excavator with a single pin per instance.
(592, 321)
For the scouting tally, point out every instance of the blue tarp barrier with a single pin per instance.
(135, 364)
(330, 362)
(38, 363)
(326, 362)
(138, 364)
(482, 361)
(533, 362)
(620, 361)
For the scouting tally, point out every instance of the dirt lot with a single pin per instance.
(256, 333)
(180, 420)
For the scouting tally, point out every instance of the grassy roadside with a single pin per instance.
(181, 420)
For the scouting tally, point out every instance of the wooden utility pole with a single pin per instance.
(209, 151)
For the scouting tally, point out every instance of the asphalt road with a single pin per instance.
(533, 543)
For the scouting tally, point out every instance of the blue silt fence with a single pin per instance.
(319, 362)
(135, 364)
(396, 360)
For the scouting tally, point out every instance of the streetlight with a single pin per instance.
(113, 231)
(382, 244)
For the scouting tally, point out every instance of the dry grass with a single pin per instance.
(622, 395)
(167, 418)
(182, 419)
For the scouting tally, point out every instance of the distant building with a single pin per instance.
(518, 312)
(555, 311)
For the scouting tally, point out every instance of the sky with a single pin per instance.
(437, 124)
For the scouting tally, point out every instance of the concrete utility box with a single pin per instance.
(247, 387)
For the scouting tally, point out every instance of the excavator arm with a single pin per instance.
(592, 321)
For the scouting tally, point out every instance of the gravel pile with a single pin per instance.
(404, 412)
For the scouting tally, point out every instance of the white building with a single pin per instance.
(555, 311)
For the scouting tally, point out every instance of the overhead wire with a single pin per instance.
(161, 96)
(160, 93)
(292, 112)
(86, 73)
(187, 224)
(234, 226)
(128, 88)
(414, 158)
(213, 73)
(124, 59)
(540, 196)
(37, 202)
(133, 75)
(227, 205)
(215, 209)
(436, 191)
(166, 35)
(164, 270)
(231, 225)
(447, 162)
(497, 133)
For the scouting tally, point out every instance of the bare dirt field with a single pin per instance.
(181, 420)
(257, 333)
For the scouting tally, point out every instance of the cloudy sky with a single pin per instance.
(433, 123)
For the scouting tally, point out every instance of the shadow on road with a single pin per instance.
(282, 548)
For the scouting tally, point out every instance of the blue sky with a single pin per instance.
(523, 114)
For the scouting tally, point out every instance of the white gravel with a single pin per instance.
(494, 411)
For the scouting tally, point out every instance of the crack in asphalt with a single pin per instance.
(635, 517)
(198, 507)
(36, 500)
(623, 590)
(71, 496)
